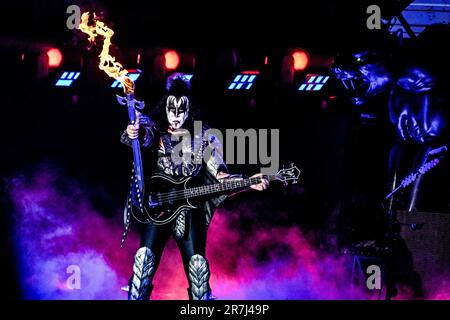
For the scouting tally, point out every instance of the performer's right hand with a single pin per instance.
(133, 130)
(128, 85)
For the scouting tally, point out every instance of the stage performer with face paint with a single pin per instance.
(157, 134)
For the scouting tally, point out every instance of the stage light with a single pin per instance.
(67, 78)
(418, 15)
(132, 74)
(54, 57)
(244, 80)
(313, 82)
(301, 60)
(172, 60)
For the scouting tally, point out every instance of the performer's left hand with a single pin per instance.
(262, 185)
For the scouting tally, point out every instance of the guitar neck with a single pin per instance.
(224, 186)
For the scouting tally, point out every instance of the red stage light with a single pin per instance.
(54, 57)
(301, 60)
(250, 72)
(172, 60)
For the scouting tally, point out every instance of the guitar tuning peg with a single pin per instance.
(285, 183)
(294, 181)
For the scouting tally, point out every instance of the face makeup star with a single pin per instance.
(177, 111)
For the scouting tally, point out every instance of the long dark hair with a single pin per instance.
(178, 86)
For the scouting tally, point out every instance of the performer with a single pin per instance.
(157, 133)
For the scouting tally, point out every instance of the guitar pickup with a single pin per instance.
(152, 203)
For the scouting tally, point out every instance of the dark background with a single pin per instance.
(76, 130)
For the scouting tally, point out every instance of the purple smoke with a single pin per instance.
(57, 227)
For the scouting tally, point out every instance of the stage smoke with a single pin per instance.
(56, 227)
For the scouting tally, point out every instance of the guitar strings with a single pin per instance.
(177, 195)
(181, 194)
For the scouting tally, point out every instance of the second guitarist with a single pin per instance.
(175, 113)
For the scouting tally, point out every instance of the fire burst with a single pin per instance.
(107, 62)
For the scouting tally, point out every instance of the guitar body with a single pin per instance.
(164, 199)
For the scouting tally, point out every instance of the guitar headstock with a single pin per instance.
(288, 175)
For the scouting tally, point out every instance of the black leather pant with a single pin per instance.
(193, 241)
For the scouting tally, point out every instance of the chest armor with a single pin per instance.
(180, 159)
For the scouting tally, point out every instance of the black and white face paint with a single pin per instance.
(177, 111)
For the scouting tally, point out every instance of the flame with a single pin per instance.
(107, 62)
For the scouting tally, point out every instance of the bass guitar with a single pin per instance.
(166, 197)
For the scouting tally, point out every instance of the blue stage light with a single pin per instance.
(313, 82)
(132, 75)
(67, 78)
(318, 87)
(244, 80)
(63, 83)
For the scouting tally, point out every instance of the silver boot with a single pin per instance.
(140, 286)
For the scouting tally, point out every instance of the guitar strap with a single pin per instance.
(127, 208)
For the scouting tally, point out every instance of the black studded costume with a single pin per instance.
(189, 229)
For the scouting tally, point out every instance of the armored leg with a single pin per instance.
(140, 286)
(199, 279)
